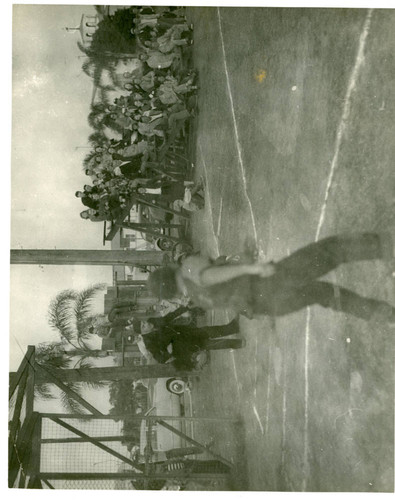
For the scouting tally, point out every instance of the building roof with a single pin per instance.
(82, 28)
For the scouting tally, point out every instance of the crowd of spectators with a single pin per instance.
(150, 115)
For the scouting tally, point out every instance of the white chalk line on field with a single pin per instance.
(210, 211)
(284, 411)
(235, 373)
(255, 387)
(239, 154)
(346, 112)
(219, 217)
(258, 419)
(256, 367)
(339, 138)
(208, 201)
(268, 387)
(238, 145)
(284, 408)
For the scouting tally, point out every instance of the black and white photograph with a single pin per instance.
(202, 259)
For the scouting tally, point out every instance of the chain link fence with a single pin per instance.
(123, 452)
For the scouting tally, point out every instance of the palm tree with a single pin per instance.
(69, 314)
(95, 120)
(103, 95)
(88, 161)
(97, 139)
(54, 355)
(98, 61)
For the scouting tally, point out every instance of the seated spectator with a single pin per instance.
(157, 60)
(175, 36)
(86, 200)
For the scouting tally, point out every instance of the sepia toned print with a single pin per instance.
(202, 249)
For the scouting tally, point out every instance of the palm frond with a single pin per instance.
(87, 162)
(83, 345)
(113, 75)
(68, 402)
(104, 97)
(82, 309)
(97, 74)
(62, 362)
(92, 119)
(97, 107)
(95, 120)
(92, 384)
(85, 363)
(97, 139)
(98, 126)
(43, 392)
(60, 314)
(96, 384)
(52, 355)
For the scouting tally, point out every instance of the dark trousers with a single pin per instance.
(213, 335)
(294, 284)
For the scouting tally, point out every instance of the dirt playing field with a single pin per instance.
(295, 137)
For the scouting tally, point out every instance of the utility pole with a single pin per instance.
(90, 257)
(165, 370)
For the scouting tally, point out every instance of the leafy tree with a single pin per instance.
(113, 33)
(150, 484)
(98, 139)
(111, 42)
(89, 159)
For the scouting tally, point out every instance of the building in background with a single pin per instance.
(129, 239)
(86, 28)
(133, 291)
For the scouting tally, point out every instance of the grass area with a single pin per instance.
(317, 409)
